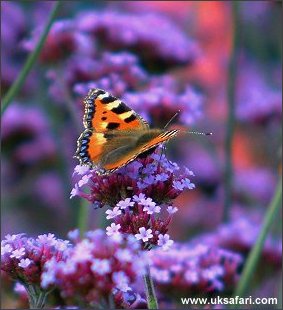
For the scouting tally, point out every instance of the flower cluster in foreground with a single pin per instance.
(23, 258)
(97, 268)
(92, 270)
(194, 269)
(138, 197)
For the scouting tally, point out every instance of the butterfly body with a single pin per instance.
(114, 134)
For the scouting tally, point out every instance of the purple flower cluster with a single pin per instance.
(63, 40)
(118, 54)
(258, 101)
(138, 197)
(155, 98)
(240, 235)
(194, 268)
(13, 29)
(118, 31)
(96, 268)
(163, 98)
(116, 72)
(255, 184)
(32, 126)
(114, 31)
(23, 258)
(90, 270)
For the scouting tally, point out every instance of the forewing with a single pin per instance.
(104, 112)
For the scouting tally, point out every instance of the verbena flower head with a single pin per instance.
(14, 26)
(145, 34)
(96, 268)
(162, 98)
(116, 72)
(32, 126)
(63, 40)
(258, 100)
(94, 32)
(194, 269)
(97, 53)
(138, 197)
(23, 258)
(240, 235)
(255, 185)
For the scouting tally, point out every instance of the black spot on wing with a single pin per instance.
(104, 118)
(130, 118)
(122, 108)
(108, 99)
(113, 125)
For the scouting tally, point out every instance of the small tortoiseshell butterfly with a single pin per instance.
(114, 134)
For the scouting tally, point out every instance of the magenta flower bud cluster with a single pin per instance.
(97, 267)
(138, 197)
(88, 270)
(195, 269)
(23, 258)
(122, 62)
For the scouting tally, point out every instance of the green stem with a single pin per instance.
(150, 292)
(13, 90)
(83, 216)
(232, 73)
(36, 296)
(253, 258)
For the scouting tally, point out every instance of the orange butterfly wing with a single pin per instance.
(105, 112)
(114, 134)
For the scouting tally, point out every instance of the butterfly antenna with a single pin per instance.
(171, 119)
(198, 133)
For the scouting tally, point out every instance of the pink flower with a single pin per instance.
(153, 208)
(24, 262)
(18, 253)
(172, 210)
(113, 213)
(100, 266)
(81, 169)
(75, 191)
(164, 241)
(6, 249)
(113, 229)
(123, 204)
(144, 234)
(121, 281)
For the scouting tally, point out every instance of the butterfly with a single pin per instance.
(114, 134)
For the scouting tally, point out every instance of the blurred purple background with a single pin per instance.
(159, 58)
